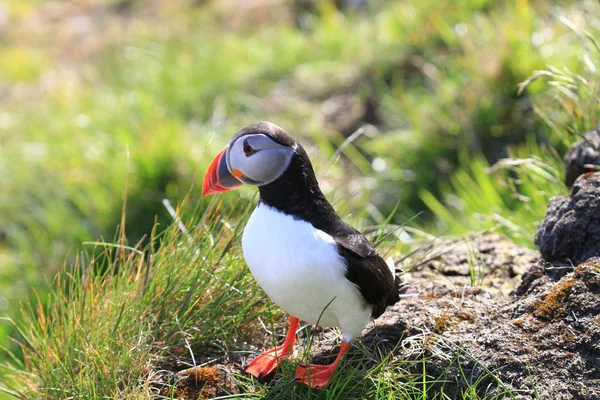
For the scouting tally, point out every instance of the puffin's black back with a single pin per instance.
(296, 193)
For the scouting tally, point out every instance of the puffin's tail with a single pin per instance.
(392, 298)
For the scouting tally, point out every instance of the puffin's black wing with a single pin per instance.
(369, 272)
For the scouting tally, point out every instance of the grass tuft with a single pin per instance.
(111, 319)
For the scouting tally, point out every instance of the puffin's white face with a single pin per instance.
(254, 159)
(258, 158)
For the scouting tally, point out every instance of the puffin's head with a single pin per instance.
(257, 155)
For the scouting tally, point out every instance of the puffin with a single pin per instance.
(309, 262)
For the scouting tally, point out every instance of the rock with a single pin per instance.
(543, 344)
(570, 233)
(582, 156)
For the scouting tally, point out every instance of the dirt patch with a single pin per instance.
(489, 262)
(196, 383)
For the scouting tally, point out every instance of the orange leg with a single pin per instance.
(317, 376)
(266, 363)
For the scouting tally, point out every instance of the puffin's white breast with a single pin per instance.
(301, 270)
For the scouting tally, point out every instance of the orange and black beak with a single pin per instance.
(218, 178)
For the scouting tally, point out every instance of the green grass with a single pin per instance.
(110, 318)
(511, 195)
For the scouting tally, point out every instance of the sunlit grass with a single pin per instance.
(110, 318)
(511, 196)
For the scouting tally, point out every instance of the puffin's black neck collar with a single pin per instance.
(296, 193)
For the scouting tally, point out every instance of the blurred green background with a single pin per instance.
(110, 105)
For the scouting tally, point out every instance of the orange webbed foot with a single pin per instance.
(319, 376)
(266, 363)
(315, 376)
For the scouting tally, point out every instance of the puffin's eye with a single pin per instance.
(248, 150)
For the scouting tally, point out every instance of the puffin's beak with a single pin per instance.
(218, 178)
